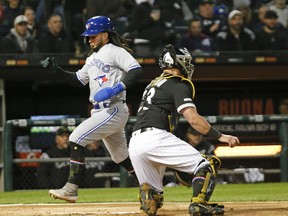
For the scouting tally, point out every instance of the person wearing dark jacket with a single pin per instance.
(235, 37)
(147, 22)
(271, 36)
(11, 9)
(55, 39)
(211, 23)
(195, 40)
(55, 174)
(19, 39)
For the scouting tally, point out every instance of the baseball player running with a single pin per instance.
(109, 70)
(153, 147)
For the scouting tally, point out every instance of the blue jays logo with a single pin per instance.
(87, 26)
(101, 79)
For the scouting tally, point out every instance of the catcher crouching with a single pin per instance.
(153, 147)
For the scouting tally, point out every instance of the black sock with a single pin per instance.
(76, 163)
(128, 166)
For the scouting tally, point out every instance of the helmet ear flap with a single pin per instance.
(167, 58)
(86, 40)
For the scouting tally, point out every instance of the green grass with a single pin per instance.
(222, 193)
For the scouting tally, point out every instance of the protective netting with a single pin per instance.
(259, 158)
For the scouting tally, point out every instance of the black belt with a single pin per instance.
(103, 105)
(146, 129)
(142, 130)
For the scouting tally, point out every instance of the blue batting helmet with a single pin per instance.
(98, 24)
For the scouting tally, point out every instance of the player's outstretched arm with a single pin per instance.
(51, 64)
(201, 125)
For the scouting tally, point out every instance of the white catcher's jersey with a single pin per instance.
(106, 68)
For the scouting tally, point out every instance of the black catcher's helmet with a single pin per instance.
(180, 58)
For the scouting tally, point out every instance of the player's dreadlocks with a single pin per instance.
(115, 39)
(118, 40)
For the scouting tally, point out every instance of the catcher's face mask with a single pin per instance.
(180, 58)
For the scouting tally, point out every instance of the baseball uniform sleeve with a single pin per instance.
(125, 61)
(82, 74)
(70, 77)
(132, 76)
(182, 94)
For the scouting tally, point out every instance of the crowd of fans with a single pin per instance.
(39, 26)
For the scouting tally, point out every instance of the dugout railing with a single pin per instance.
(270, 130)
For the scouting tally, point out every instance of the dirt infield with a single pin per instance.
(132, 209)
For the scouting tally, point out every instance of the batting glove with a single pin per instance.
(50, 63)
(108, 92)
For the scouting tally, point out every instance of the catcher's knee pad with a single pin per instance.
(150, 199)
(205, 179)
(215, 164)
(186, 178)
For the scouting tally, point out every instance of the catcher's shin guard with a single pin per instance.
(205, 179)
(150, 199)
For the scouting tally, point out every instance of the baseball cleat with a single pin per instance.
(67, 193)
(150, 200)
(202, 209)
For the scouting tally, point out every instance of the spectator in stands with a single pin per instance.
(196, 139)
(148, 26)
(247, 12)
(195, 40)
(260, 18)
(19, 39)
(173, 11)
(54, 175)
(11, 11)
(221, 11)
(235, 36)
(1, 12)
(94, 149)
(55, 39)
(271, 36)
(33, 27)
(77, 12)
(46, 8)
(281, 8)
(113, 8)
(283, 108)
(211, 24)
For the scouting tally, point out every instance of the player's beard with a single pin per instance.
(96, 47)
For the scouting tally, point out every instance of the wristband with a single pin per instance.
(214, 133)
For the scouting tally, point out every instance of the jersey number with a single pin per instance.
(147, 98)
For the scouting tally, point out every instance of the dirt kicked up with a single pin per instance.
(132, 209)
